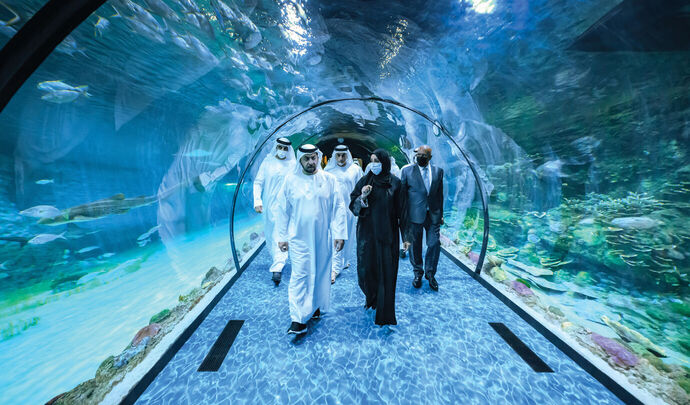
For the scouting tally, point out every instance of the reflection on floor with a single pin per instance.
(443, 350)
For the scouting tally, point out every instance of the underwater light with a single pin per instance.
(483, 6)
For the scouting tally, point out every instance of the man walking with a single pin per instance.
(311, 217)
(269, 180)
(347, 174)
(423, 184)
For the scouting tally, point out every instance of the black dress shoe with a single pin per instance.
(297, 328)
(432, 282)
(403, 253)
(276, 277)
(417, 282)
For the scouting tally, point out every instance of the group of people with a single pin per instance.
(305, 210)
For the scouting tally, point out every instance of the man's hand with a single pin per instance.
(259, 208)
(366, 190)
(406, 246)
(339, 243)
(283, 246)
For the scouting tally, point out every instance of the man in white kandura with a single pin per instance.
(311, 217)
(269, 180)
(347, 173)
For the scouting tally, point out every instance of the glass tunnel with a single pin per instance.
(132, 131)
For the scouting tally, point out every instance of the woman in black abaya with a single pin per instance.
(378, 203)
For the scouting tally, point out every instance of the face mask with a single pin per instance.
(281, 154)
(375, 168)
(422, 160)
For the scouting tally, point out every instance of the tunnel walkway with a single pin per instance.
(443, 350)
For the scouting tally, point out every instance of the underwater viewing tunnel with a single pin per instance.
(133, 264)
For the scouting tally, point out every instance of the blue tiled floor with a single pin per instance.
(442, 351)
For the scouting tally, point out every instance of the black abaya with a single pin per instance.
(378, 226)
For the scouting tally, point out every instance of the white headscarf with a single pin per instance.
(307, 149)
(333, 164)
(290, 154)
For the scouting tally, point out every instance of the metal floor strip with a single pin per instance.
(220, 348)
(521, 348)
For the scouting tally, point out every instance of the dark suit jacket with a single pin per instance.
(417, 199)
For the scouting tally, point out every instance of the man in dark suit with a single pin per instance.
(423, 184)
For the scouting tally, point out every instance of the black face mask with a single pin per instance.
(422, 160)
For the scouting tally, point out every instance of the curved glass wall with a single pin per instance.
(121, 155)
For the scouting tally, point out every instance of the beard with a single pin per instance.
(309, 168)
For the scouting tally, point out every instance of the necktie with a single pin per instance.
(425, 172)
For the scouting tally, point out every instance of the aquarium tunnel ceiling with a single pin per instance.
(131, 132)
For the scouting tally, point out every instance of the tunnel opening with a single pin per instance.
(365, 143)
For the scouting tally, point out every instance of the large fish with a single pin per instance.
(116, 204)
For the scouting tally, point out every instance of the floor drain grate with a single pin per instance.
(521, 348)
(220, 349)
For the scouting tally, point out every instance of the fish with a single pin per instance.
(206, 26)
(147, 18)
(69, 46)
(143, 30)
(201, 22)
(180, 40)
(44, 238)
(202, 51)
(101, 25)
(45, 181)
(160, 8)
(122, 5)
(117, 204)
(188, 6)
(40, 211)
(224, 14)
(62, 96)
(630, 335)
(148, 233)
(6, 25)
(54, 85)
(7, 30)
(107, 255)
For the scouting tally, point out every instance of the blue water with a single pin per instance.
(442, 350)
